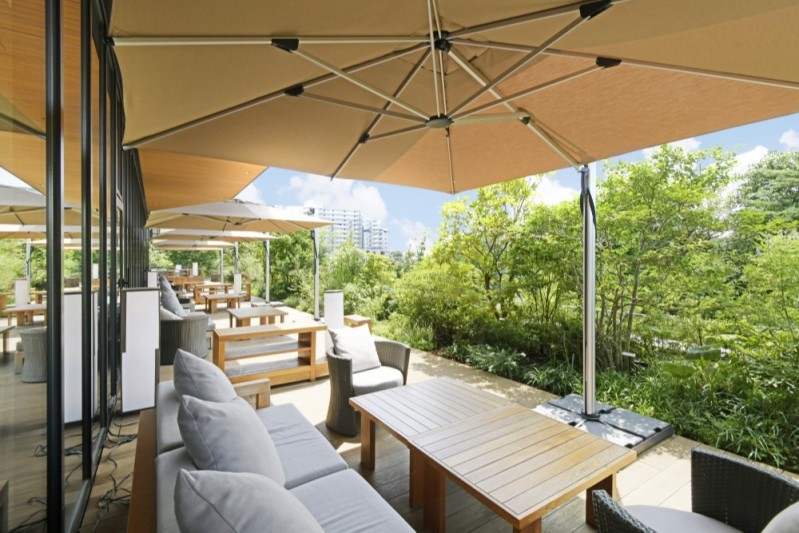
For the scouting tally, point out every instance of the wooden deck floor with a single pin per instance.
(660, 476)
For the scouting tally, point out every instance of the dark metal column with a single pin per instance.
(55, 265)
(102, 334)
(86, 232)
(112, 285)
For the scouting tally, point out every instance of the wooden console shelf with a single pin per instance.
(306, 341)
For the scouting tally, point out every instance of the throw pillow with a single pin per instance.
(223, 501)
(202, 379)
(169, 300)
(166, 314)
(358, 345)
(787, 521)
(228, 437)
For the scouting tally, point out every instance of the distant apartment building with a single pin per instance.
(366, 233)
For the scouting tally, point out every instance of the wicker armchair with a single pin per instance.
(34, 350)
(188, 333)
(341, 417)
(726, 489)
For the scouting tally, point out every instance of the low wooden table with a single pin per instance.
(519, 463)
(212, 300)
(267, 315)
(358, 320)
(4, 331)
(24, 313)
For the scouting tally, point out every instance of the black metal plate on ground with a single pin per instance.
(574, 403)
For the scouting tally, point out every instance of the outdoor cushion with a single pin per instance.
(200, 378)
(167, 466)
(297, 441)
(242, 503)
(228, 437)
(665, 519)
(358, 345)
(381, 378)
(167, 434)
(169, 300)
(344, 502)
(787, 521)
(166, 314)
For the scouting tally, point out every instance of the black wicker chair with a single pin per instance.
(724, 488)
(341, 417)
(188, 333)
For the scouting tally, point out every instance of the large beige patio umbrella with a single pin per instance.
(447, 94)
(450, 94)
(199, 246)
(19, 206)
(212, 235)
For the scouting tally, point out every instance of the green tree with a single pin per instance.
(653, 216)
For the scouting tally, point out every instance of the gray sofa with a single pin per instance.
(337, 497)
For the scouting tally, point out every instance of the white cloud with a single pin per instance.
(320, 191)
(415, 233)
(790, 139)
(745, 160)
(250, 193)
(688, 145)
(7, 178)
(550, 192)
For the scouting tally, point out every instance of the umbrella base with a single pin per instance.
(616, 425)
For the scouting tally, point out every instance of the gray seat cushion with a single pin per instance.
(356, 344)
(245, 503)
(169, 300)
(201, 379)
(297, 441)
(167, 466)
(665, 519)
(381, 378)
(786, 521)
(228, 437)
(344, 502)
(167, 434)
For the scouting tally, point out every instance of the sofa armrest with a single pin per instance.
(741, 494)
(394, 354)
(259, 388)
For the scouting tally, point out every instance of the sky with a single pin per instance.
(412, 214)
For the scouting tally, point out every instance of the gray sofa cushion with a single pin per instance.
(200, 378)
(166, 314)
(344, 502)
(167, 466)
(228, 437)
(665, 519)
(384, 377)
(304, 452)
(242, 503)
(358, 345)
(167, 434)
(169, 300)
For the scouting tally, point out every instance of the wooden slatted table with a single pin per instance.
(24, 313)
(414, 410)
(266, 314)
(231, 299)
(520, 464)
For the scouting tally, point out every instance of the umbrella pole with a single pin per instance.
(588, 208)
(315, 274)
(28, 261)
(267, 271)
(221, 265)
(236, 257)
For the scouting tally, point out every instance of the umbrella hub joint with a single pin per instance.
(441, 41)
(439, 122)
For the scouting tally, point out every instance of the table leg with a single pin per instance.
(264, 320)
(5, 341)
(213, 306)
(435, 495)
(231, 320)
(367, 443)
(609, 485)
(416, 489)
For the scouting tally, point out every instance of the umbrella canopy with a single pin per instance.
(26, 207)
(211, 236)
(447, 94)
(199, 246)
(25, 231)
(234, 215)
(69, 243)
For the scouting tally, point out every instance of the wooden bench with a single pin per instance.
(358, 320)
(278, 340)
(4, 331)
